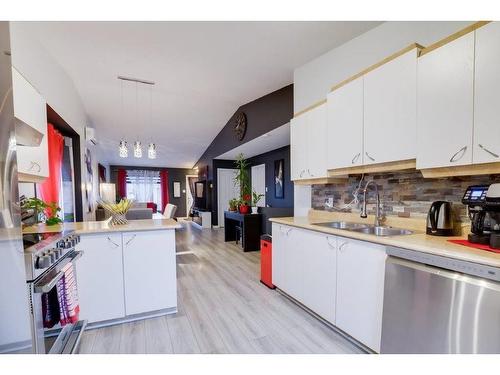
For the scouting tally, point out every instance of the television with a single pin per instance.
(200, 195)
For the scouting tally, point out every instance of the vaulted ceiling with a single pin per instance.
(203, 72)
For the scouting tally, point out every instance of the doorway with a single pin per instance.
(259, 182)
(227, 189)
(190, 180)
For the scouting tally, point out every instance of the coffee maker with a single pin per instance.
(483, 203)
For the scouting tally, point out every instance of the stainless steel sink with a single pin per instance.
(343, 225)
(383, 231)
(365, 228)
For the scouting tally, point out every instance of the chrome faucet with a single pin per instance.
(363, 214)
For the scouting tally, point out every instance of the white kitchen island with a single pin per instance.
(127, 272)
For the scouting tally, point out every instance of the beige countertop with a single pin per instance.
(88, 227)
(418, 241)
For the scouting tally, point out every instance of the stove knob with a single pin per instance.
(60, 244)
(52, 256)
(56, 253)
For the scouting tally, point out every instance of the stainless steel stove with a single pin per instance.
(46, 257)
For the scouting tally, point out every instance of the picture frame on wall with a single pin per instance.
(279, 179)
(177, 189)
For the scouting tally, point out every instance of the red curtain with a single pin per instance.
(122, 183)
(50, 188)
(164, 189)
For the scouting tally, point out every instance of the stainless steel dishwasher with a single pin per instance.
(435, 304)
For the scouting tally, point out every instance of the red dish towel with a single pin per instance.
(475, 245)
(67, 294)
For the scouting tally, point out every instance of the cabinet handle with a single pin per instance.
(309, 173)
(113, 242)
(460, 152)
(342, 245)
(488, 151)
(369, 157)
(329, 243)
(129, 241)
(355, 158)
(301, 173)
(33, 164)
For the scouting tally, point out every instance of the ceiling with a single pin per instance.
(203, 72)
(276, 138)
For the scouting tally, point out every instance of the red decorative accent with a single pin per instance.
(244, 209)
(164, 189)
(122, 183)
(475, 245)
(49, 189)
(153, 206)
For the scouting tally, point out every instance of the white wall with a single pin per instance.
(50, 79)
(313, 80)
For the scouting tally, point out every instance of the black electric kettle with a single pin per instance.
(440, 219)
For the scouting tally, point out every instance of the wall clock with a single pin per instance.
(240, 126)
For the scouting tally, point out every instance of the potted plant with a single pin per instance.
(242, 179)
(233, 204)
(255, 200)
(43, 211)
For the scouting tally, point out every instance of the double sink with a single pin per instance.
(365, 228)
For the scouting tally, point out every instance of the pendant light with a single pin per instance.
(152, 146)
(137, 149)
(122, 148)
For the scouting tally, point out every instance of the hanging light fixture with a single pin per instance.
(122, 149)
(137, 149)
(152, 151)
(152, 146)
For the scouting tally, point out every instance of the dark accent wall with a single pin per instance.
(268, 159)
(174, 174)
(263, 115)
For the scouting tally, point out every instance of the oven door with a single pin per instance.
(58, 339)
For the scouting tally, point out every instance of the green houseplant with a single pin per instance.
(255, 199)
(233, 204)
(43, 211)
(242, 179)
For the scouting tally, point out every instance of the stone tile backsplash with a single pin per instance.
(403, 194)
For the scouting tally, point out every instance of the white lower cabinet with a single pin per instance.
(304, 267)
(339, 279)
(319, 264)
(360, 290)
(149, 271)
(100, 277)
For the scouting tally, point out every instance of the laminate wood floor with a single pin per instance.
(222, 308)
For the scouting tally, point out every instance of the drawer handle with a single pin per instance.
(129, 241)
(329, 243)
(113, 242)
(342, 245)
(369, 157)
(33, 164)
(488, 151)
(355, 158)
(456, 156)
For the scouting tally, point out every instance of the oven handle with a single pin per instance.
(46, 286)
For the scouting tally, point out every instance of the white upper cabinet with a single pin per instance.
(390, 110)
(345, 126)
(308, 144)
(298, 146)
(487, 94)
(445, 104)
(317, 143)
(30, 108)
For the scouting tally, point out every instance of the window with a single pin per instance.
(144, 186)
